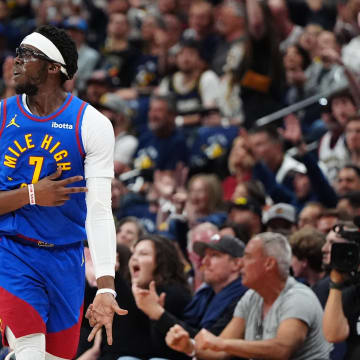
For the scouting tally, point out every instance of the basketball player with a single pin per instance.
(55, 181)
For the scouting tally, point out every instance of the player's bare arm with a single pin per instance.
(48, 192)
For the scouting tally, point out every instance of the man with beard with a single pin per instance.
(51, 139)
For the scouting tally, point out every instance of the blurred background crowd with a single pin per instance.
(231, 117)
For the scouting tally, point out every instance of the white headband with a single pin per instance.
(47, 47)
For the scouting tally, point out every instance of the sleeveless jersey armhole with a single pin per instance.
(2, 115)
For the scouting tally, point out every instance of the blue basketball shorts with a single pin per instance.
(42, 291)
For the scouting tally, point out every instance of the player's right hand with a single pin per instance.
(101, 313)
(52, 192)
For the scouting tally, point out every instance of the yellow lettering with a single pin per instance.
(13, 151)
(10, 161)
(60, 155)
(54, 147)
(46, 142)
(37, 161)
(28, 141)
(65, 166)
(19, 146)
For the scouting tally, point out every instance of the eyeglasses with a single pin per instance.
(27, 54)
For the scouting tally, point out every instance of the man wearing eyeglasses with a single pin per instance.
(278, 318)
(55, 191)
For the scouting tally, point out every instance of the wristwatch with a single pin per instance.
(337, 286)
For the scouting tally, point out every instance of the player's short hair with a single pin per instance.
(65, 45)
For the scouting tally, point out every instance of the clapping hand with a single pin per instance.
(179, 339)
(205, 340)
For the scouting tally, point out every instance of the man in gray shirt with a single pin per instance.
(278, 318)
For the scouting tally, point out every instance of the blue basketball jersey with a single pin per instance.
(188, 101)
(32, 147)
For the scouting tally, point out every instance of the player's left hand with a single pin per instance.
(101, 313)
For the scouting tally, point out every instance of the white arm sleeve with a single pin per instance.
(100, 228)
(209, 88)
(98, 140)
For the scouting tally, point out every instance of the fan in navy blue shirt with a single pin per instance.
(163, 146)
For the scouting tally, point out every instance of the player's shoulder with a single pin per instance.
(93, 115)
(11, 100)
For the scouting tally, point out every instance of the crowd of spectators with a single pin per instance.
(186, 85)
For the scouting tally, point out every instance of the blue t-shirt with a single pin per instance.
(161, 153)
(211, 143)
